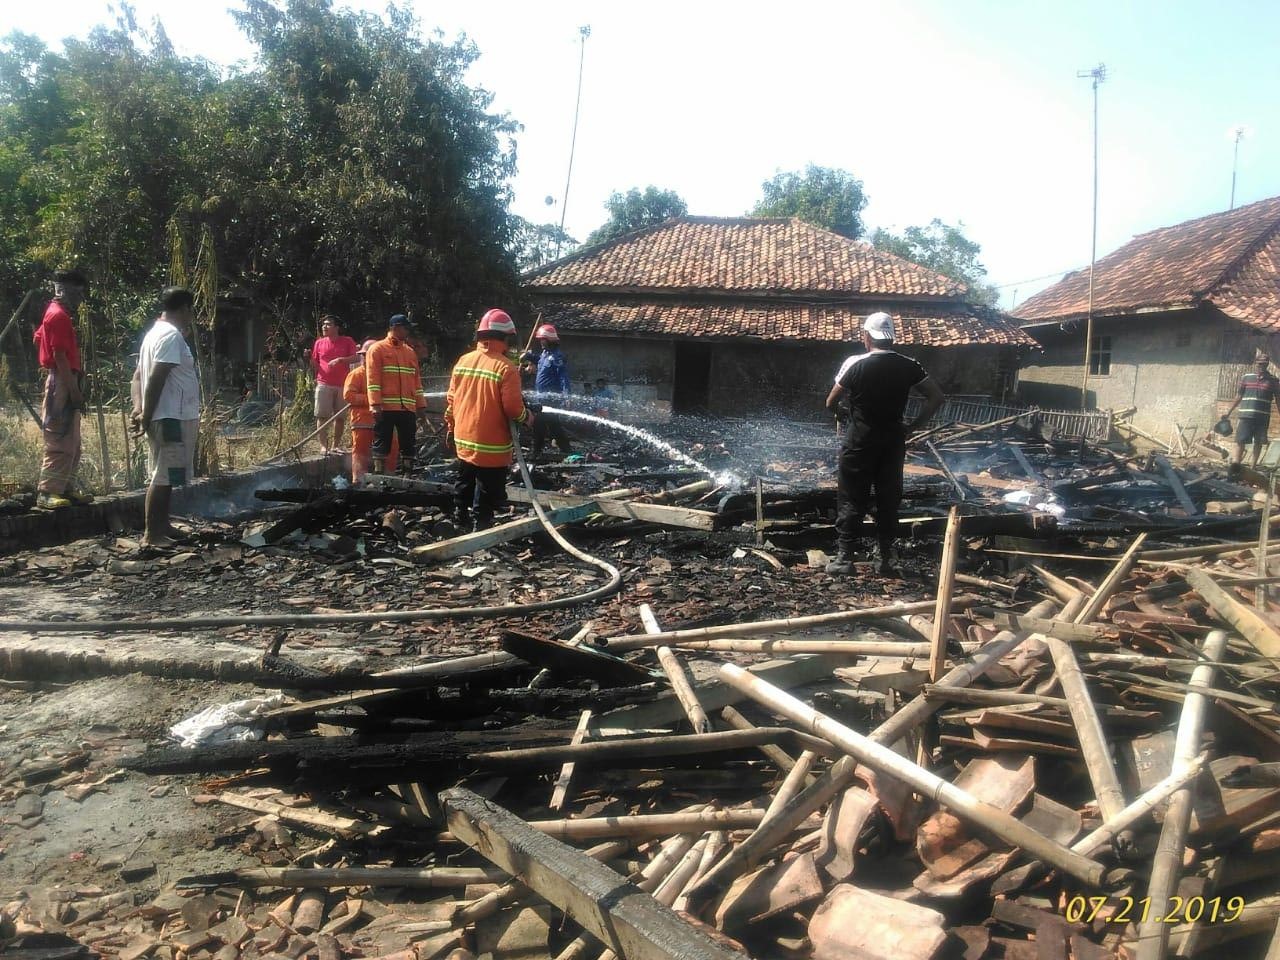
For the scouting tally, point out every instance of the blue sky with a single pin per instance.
(966, 111)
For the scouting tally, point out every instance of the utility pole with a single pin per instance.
(1237, 134)
(583, 33)
(1098, 74)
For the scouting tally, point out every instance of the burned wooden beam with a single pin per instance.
(626, 919)
(571, 661)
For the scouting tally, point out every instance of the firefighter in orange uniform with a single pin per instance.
(355, 392)
(484, 398)
(395, 395)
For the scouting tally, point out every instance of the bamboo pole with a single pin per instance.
(1264, 637)
(513, 890)
(641, 826)
(1057, 586)
(946, 586)
(678, 679)
(1153, 932)
(779, 757)
(1159, 792)
(787, 625)
(851, 648)
(843, 772)
(1113, 581)
(963, 804)
(791, 785)
(429, 878)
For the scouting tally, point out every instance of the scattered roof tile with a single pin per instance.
(1178, 267)
(746, 255)
(781, 320)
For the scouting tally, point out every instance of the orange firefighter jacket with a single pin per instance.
(355, 392)
(391, 374)
(484, 396)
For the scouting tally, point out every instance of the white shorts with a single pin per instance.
(328, 401)
(171, 451)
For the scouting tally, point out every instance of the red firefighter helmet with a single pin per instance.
(495, 322)
(364, 347)
(547, 332)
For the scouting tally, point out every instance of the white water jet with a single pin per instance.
(644, 436)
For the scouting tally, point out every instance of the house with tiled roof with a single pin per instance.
(1178, 315)
(734, 314)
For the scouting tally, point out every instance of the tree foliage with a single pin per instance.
(944, 248)
(635, 210)
(823, 196)
(351, 169)
(537, 244)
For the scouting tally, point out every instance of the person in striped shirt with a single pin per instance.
(1258, 392)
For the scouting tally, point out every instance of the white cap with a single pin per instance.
(879, 326)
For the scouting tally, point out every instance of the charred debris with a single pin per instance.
(1056, 737)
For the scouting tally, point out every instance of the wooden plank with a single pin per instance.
(573, 662)
(561, 789)
(627, 920)
(1072, 632)
(626, 509)
(1024, 463)
(503, 533)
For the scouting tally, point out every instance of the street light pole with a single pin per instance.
(583, 33)
(1237, 136)
(1097, 74)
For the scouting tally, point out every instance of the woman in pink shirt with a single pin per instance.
(331, 358)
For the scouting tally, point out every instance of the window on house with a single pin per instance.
(1184, 338)
(1100, 357)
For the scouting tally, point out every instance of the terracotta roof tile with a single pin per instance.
(763, 320)
(741, 255)
(1171, 268)
(1251, 294)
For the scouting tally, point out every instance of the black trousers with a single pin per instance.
(402, 422)
(483, 489)
(548, 425)
(867, 462)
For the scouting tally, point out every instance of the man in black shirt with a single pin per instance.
(875, 386)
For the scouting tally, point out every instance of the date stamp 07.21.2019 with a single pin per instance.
(1081, 909)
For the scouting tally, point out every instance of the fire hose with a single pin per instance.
(608, 589)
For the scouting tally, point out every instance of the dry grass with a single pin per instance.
(21, 448)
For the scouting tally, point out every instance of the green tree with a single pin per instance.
(635, 210)
(945, 249)
(537, 244)
(823, 196)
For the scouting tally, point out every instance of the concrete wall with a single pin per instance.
(1169, 366)
(785, 378)
(639, 369)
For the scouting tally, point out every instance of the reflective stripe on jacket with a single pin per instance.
(354, 391)
(391, 371)
(484, 396)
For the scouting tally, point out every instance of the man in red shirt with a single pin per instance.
(59, 354)
(331, 357)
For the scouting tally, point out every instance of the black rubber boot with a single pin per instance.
(886, 567)
(842, 564)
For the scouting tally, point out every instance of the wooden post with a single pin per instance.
(946, 586)
(759, 512)
(1153, 932)
(963, 804)
(626, 919)
(1264, 535)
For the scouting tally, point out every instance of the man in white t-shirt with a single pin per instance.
(166, 399)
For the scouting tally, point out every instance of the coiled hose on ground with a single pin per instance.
(327, 619)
